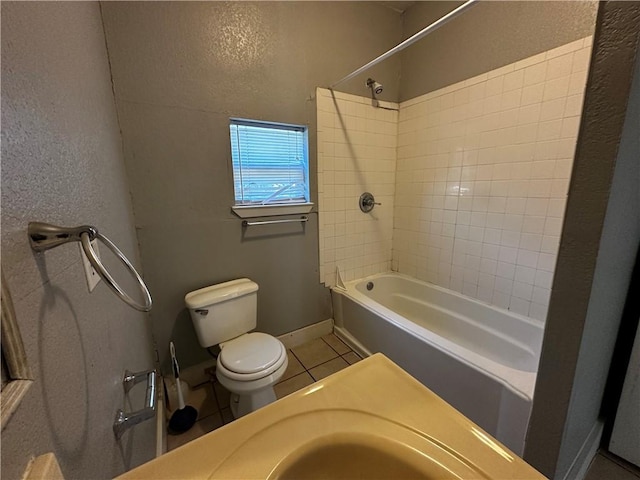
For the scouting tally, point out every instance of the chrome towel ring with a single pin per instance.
(44, 236)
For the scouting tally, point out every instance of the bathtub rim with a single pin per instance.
(531, 321)
(518, 381)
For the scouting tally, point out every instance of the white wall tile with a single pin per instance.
(474, 178)
(515, 169)
(538, 311)
(519, 305)
(541, 295)
(355, 134)
(501, 299)
(559, 66)
(534, 74)
(532, 94)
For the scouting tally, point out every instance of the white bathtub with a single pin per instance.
(482, 360)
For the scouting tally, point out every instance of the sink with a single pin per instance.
(348, 456)
(370, 420)
(346, 443)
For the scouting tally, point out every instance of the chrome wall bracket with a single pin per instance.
(124, 421)
(44, 236)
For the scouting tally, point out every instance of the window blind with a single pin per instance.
(270, 162)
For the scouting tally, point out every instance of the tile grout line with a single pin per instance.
(293, 353)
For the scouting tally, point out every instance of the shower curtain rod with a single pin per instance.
(409, 41)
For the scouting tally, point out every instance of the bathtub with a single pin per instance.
(480, 359)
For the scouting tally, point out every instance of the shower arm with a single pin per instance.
(409, 41)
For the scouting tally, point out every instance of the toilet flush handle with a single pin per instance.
(202, 311)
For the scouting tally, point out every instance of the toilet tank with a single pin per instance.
(223, 311)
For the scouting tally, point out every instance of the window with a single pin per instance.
(270, 167)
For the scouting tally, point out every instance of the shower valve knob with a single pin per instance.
(367, 202)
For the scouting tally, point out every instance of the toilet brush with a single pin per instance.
(185, 416)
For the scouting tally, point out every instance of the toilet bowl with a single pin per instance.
(249, 364)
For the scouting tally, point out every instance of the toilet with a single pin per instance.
(249, 364)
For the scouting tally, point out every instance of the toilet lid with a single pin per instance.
(251, 353)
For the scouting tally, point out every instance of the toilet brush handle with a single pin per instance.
(176, 374)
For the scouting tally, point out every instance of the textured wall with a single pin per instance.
(62, 163)
(483, 173)
(180, 71)
(485, 37)
(356, 154)
(588, 291)
(616, 256)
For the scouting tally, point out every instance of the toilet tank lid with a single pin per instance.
(220, 293)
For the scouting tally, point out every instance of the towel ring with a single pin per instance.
(44, 236)
(85, 240)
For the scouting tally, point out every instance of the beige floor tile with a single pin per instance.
(338, 345)
(352, 357)
(294, 384)
(602, 468)
(313, 353)
(202, 400)
(326, 369)
(201, 427)
(293, 368)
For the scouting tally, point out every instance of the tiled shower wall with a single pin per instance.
(482, 175)
(356, 154)
(472, 178)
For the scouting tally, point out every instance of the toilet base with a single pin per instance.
(243, 404)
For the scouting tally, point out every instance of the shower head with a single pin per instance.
(374, 86)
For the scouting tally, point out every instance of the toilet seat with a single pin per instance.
(251, 356)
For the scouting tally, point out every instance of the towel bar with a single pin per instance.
(126, 420)
(246, 223)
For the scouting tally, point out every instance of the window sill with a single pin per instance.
(252, 211)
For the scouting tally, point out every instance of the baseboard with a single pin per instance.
(581, 463)
(351, 341)
(196, 374)
(305, 334)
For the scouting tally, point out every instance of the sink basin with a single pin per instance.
(349, 444)
(370, 420)
(350, 456)
(342, 457)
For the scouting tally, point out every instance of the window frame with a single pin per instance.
(247, 210)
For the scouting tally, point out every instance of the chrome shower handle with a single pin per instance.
(367, 202)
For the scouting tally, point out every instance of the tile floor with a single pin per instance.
(606, 466)
(308, 363)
